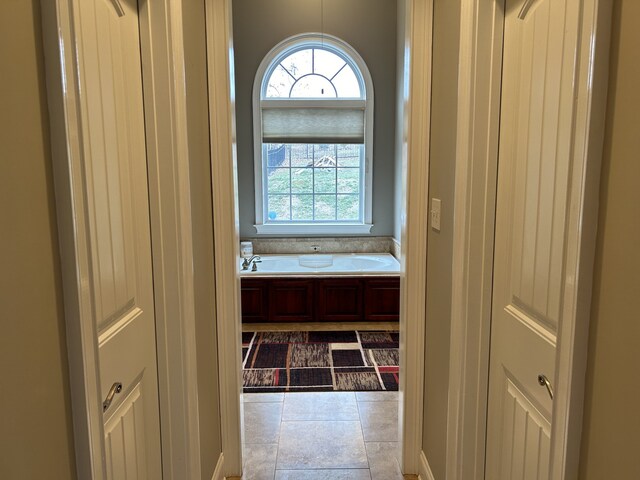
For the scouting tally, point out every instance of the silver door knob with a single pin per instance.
(544, 382)
(115, 388)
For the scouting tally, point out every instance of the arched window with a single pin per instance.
(313, 126)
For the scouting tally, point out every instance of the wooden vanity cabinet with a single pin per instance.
(382, 300)
(339, 300)
(254, 301)
(291, 300)
(329, 299)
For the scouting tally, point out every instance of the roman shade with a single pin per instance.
(313, 121)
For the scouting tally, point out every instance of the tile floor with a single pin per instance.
(321, 436)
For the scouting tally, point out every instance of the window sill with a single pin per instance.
(314, 229)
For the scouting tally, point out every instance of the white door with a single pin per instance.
(531, 218)
(119, 234)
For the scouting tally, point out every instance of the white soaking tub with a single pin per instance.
(337, 264)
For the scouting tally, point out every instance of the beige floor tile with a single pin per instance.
(377, 396)
(330, 474)
(321, 444)
(383, 460)
(320, 406)
(379, 421)
(259, 462)
(263, 397)
(262, 422)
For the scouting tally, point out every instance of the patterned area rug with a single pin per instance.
(319, 361)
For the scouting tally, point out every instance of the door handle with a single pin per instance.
(544, 382)
(115, 388)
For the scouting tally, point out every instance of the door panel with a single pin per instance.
(125, 438)
(525, 440)
(119, 234)
(535, 136)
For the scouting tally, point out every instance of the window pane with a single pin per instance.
(323, 150)
(348, 207)
(314, 188)
(278, 180)
(302, 207)
(300, 154)
(313, 86)
(349, 155)
(278, 208)
(325, 180)
(326, 63)
(299, 63)
(325, 207)
(302, 180)
(280, 83)
(277, 155)
(347, 84)
(348, 180)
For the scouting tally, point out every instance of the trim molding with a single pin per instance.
(59, 19)
(591, 80)
(313, 228)
(425, 472)
(162, 45)
(217, 472)
(418, 38)
(480, 76)
(226, 232)
(256, 108)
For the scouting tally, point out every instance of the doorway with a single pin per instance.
(311, 330)
(412, 222)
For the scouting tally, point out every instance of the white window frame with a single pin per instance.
(275, 55)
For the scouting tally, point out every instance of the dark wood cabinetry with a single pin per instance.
(254, 300)
(290, 300)
(335, 299)
(382, 299)
(339, 300)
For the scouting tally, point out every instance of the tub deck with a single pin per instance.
(341, 264)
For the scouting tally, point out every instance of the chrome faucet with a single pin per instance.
(247, 262)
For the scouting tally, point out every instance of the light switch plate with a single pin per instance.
(436, 210)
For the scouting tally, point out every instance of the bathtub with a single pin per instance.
(337, 264)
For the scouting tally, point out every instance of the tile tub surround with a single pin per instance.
(326, 244)
(323, 436)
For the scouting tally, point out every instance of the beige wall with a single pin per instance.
(440, 244)
(36, 438)
(610, 445)
(202, 214)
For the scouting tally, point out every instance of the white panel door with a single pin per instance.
(119, 234)
(533, 176)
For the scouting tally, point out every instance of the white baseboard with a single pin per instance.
(425, 472)
(217, 473)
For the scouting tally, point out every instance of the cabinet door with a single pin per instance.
(340, 300)
(291, 300)
(382, 299)
(254, 300)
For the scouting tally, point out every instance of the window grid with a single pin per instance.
(315, 153)
(296, 77)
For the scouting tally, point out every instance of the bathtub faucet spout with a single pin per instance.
(247, 262)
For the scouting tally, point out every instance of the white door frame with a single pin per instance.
(413, 277)
(475, 195)
(167, 155)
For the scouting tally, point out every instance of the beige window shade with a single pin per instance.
(313, 124)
